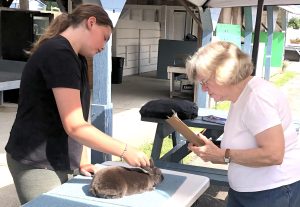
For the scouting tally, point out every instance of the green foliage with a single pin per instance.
(294, 23)
(224, 105)
(51, 5)
(167, 146)
(282, 78)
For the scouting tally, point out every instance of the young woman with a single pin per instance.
(50, 129)
(259, 142)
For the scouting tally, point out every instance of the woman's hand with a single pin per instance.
(208, 152)
(87, 169)
(136, 158)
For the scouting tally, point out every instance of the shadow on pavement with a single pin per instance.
(214, 196)
(8, 196)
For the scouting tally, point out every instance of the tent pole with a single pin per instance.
(260, 5)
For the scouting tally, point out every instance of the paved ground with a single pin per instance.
(7, 189)
(126, 118)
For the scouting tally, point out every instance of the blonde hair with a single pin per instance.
(223, 61)
(79, 14)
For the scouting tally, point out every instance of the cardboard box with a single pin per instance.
(186, 86)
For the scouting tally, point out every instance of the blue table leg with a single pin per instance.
(162, 131)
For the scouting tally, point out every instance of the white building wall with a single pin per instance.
(137, 42)
(138, 31)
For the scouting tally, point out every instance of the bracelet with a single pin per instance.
(123, 153)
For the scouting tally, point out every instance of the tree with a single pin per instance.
(24, 4)
(294, 22)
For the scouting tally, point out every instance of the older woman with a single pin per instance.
(259, 143)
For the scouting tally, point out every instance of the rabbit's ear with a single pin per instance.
(146, 170)
(151, 163)
(149, 169)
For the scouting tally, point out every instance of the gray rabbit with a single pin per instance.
(117, 181)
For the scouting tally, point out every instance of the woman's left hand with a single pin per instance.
(208, 152)
(88, 169)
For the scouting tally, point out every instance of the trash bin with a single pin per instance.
(117, 70)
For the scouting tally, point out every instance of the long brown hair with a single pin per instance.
(79, 14)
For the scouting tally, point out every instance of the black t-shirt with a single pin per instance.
(37, 137)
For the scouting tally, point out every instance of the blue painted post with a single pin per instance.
(284, 27)
(271, 21)
(207, 26)
(248, 30)
(209, 19)
(101, 107)
(1, 98)
(284, 22)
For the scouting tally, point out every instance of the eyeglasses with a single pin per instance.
(203, 83)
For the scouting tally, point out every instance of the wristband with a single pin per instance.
(123, 153)
(227, 158)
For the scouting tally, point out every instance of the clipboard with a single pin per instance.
(183, 129)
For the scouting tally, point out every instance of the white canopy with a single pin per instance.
(241, 3)
(292, 9)
(288, 5)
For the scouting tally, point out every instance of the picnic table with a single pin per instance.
(10, 75)
(173, 158)
(177, 189)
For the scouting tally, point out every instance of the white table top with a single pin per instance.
(215, 112)
(174, 69)
(177, 189)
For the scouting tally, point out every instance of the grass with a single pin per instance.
(280, 79)
(167, 146)
(224, 105)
